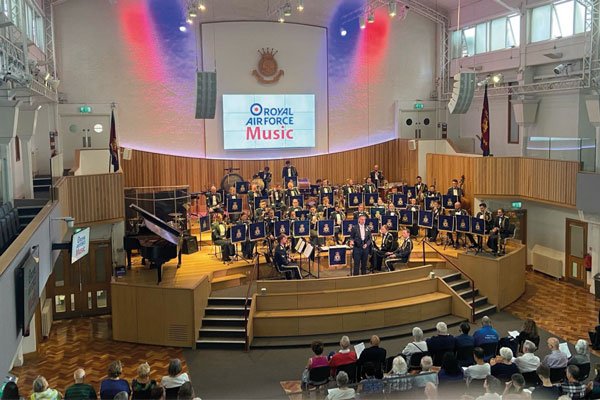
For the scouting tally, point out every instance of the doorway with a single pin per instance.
(575, 250)
(83, 288)
(418, 124)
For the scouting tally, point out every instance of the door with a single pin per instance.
(83, 288)
(419, 124)
(427, 124)
(83, 132)
(575, 250)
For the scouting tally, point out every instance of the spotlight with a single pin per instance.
(287, 9)
(560, 68)
(371, 18)
(280, 17)
(201, 5)
(343, 31)
(392, 8)
(192, 13)
(484, 81)
(300, 5)
(497, 79)
(183, 28)
(362, 22)
(189, 20)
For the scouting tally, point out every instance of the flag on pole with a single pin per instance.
(485, 125)
(113, 145)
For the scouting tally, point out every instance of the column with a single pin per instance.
(9, 115)
(592, 104)
(25, 130)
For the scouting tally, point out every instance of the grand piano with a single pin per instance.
(158, 242)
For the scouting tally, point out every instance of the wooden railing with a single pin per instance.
(253, 278)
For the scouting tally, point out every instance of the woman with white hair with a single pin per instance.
(142, 385)
(342, 392)
(418, 345)
(41, 391)
(502, 366)
(394, 377)
(582, 355)
(343, 357)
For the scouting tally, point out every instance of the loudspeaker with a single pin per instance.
(462, 92)
(189, 245)
(412, 144)
(126, 154)
(206, 95)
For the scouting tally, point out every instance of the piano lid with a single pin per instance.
(158, 226)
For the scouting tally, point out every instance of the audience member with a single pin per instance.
(142, 384)
(486, 334)
(451, 370)
(176, 376)
(418, 345)
(547, 391)
(399, 369)
(425, 376)
(431, 391)
(502, 366)
(528, 362)
(514, 388)
(375, 355)
(121, 396)
(41, 391)
(556, 359)
(481, 369)
(573, 387)
(10, 391)
(582, 355)
(344, 356)
(493, 389)
(342, 392)
(80, 390)
(370, 384)
(529, 332)
(464, 339)
(113, 384)
(186, 392)
(157, 393)
(441, 343)
(316, 361)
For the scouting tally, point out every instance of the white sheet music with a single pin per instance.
(308, 250)
(358, 349)
(514, 334)
(564, 347)
(300, 245)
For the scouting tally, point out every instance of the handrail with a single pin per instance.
(460, 270)
(254, 276)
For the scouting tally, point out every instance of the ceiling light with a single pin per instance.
(287, 9)
(484, 81)
(371, 18)
(201, 5)
(280, 17)
(300, 5)
(183, 28)
(343, 31)
(392, 8)
(362, 22)
(192, 13)
(497, 79)
(189, 20)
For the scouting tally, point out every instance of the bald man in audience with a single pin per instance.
(80, 390)
(556, 359)
(375, 355)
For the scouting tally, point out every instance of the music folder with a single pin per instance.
(347, 226)
(406, 217)
(234, 206)
(282, 228)
(354, 199)
(328, 195)
(205, 223)
(302, 214)
(399, 200)
(449, 200)
(463, 223)
(337, 256)
(371, 199)
(446, 223)
(478, 226)
(242, 187)
(372, 224)
(325, 228)
(258, 199)
(426, 219)
(377, 212)
(410, 192)
(428, 202)
(238, 233)
(314, 190)
(257, 231)
(391, 221)
(300, 229)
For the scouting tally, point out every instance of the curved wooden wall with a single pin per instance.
(150, 169)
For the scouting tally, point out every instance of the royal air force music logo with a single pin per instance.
(270, 123)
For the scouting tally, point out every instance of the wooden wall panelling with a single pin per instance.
(443, 168)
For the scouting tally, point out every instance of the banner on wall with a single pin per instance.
(268, 121)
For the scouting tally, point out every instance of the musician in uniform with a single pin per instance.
(282, 259)
(295, 206)
(247, 245)
(388, 245)
(391, 210)
(414, 208)
(360, 211)
(485, 215)
(338, 215)
(276, 196)
(402, 253)
(270, 219)
(251, 195)
(214, 201)
(348, 188)
(232, 195)
(260, 212)
(432, 193)
(436, 210)
(219, 237)
(288, 171)
(500, 230)
(420, 188)
(376, 176)
(390, 196)
(266, 177)
(455, 190)
(369, 187)
(291, 190)
(324, 206)
(458, 210)
(361, 242)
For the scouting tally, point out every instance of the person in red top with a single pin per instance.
(343, 357)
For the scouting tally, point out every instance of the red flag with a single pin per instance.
(485, 125)
(113, 145)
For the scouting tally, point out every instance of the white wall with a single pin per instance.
(17, 171)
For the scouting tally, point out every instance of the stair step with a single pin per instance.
(222, 331)
(227, 300)
(220, 343)
(223, 310)
(223, 320)
(225, 278)
(479, 301)
(485, 310)
(466, 293)
(452, 277)
(460, 284)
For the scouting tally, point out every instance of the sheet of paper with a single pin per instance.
(324, 248)
(514, 334)
(564, 347)
(300, 245)
(307, 250)
(358, 348)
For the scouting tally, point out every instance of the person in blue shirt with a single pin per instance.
(464, 339)
(487, 334)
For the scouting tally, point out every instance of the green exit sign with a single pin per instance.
(85, 109)
(516, 204)
(419, 106)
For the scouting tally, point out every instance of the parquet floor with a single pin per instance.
(87, 343)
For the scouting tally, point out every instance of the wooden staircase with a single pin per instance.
(223, 325)
(464, 289)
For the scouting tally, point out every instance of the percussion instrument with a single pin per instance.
(230, 179)
(303, 184)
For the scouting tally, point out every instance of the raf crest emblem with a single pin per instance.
(268, 71)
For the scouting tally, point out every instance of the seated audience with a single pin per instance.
(547, 391)
(318, 360)
(431, 391)
(582, 355)
(573, 387)
(370, 384)
(556, 358)
(514, 388)
(493, 389)
(486, 334)
(344, 356)
(421, 379)
(80, 390)
(157, 393)
(502, 366)
(342, 392)
(186, 392)
(529, 332)
(375, 355)
(142, 384)
(176, 376)
(113, 384)
(121, 396)
(528, 362)
(10, 391)
(481, 369)
(464, 339)
(418, 345)
(441, 343)
(399, 369)
(451, 370)
(41, 391)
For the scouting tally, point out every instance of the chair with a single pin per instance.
(489, 350)
(171, 393)
(475, 387)
(318, 377)
(438, 356)
(558, 374)
(584, 371)
(531, 378)
(512, 233)
(350, 369)
(464, 355)
(389, 363)
(269, 260)
(415, 360)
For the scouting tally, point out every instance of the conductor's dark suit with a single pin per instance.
(363, 241)
(503, 225)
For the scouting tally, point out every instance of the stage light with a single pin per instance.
(560, 68)
(192, 13)
(280, 17)
(183, 28)
(300, 5)
(201, 5)
(371, 18)
(362, 22)
(498, 79)
(287, 10)
(189, 20)
(484, 81)
(392, 10)
(343, 31)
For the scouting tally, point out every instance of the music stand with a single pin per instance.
(234, 206)
(391, 221)
(478, 228)
(371, 199)
(337, 256)
(425, 220)
(399, 200)
(301, 229)
(406, 217)
(282, 228)
(325, 228)
(448, 201)
(410, 192)
(428, 201)
(463, 225)
(242, 187)
(373, 225)
(354, 199)
(314, 190)
(302, 214)
(300, 200)
(238, 234)
(446, 224)
(204, 226)
(377, 212)
(258, 199)
(328, 195)
(347, 226)
(257, 231)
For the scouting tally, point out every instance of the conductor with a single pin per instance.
(361, 241)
